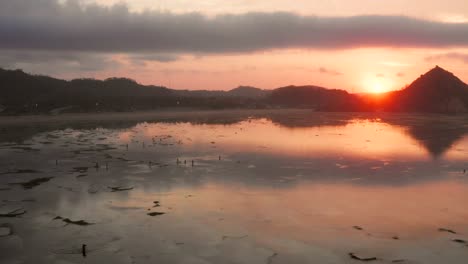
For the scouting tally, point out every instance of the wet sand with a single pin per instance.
(265, 186)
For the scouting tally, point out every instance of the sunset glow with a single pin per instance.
(305, 142)
(378, 88)
(233, 131)
(378, 84)
(251, 52)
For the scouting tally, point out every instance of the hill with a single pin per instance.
(437, 91)
(318, 98)
(249, 91)
(21, 92)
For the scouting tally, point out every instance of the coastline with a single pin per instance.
(158, 115)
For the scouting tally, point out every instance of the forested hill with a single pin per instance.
(437, 91)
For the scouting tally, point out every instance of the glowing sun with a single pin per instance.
(377, 86)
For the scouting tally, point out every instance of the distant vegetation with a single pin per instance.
(21, 93)
(24, 93)
(318, 98)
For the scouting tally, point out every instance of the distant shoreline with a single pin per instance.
(195, 114)
(153, 115)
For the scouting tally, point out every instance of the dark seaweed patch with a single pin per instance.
(156, 213)
(32, 183)
(14, 213)
(354, 256)
(460, 241)
(68, 221)
(120, 189)
(447, 230)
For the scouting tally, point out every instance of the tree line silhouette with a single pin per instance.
(437, 91)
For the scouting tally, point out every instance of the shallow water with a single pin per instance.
(297, 188)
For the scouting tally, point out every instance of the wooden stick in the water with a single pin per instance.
(83, 250)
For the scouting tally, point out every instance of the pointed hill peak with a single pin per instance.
(437, 90)
(439, 79)
(438, 73)
(437, 70)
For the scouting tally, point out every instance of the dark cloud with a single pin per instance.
(59, 60)
(328, 71)
(450, 56)
(48, 25)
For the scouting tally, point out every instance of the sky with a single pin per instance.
(356, 45)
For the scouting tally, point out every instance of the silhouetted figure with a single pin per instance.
(83, 250)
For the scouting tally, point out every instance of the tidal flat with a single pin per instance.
(258, 186)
